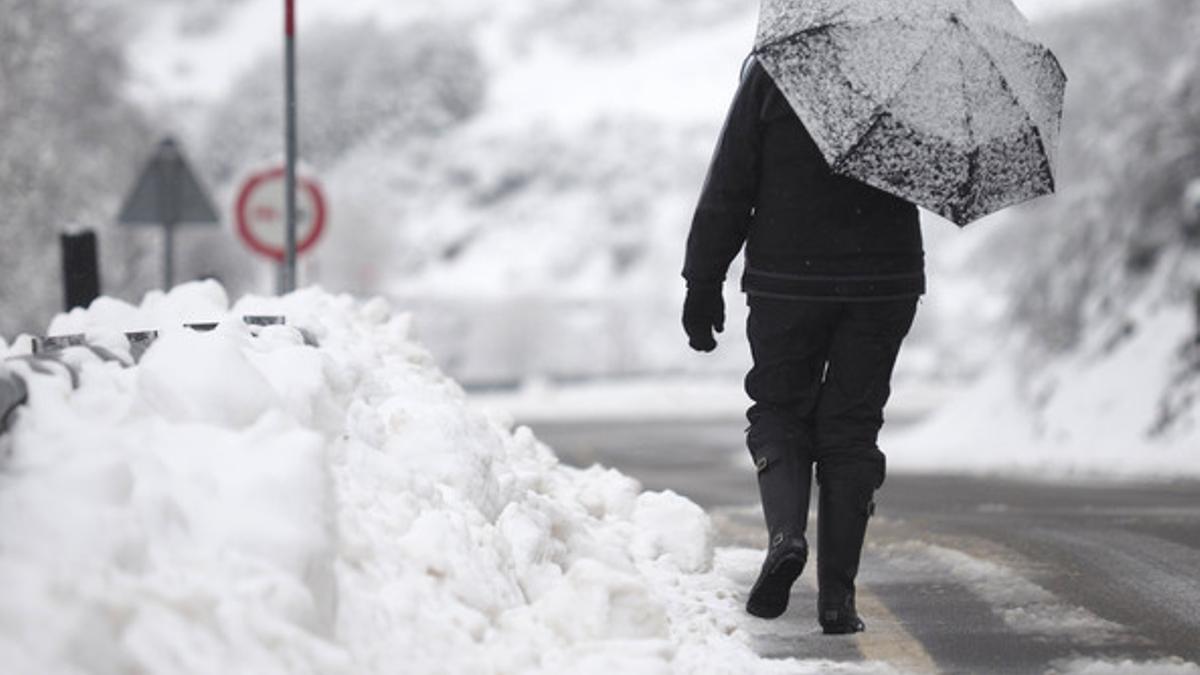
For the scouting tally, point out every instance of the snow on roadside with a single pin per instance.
(1024, 606)
(1096, 413)
(255, 504)
(1096, 667)
(668, 399)
(661, 398)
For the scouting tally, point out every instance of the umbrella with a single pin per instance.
(953, 105)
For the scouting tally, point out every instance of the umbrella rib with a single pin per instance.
(966, 97)
(795, 37)
(977, 27)
(811, 30)
(801, 35)
(876, 120)
(1008, 88)
(1037, 131)
(973, 153)
(881, 107)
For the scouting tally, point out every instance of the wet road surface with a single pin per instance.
(960, 574)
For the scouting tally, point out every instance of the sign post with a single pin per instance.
(81, 269)
(168, 195)
(287, 282)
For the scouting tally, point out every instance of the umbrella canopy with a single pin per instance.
(953, 105)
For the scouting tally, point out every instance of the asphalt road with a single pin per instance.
(960, 574)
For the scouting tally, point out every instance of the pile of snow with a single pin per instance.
(1115, 408)
(244, 502)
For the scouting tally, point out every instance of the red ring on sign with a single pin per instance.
(243, 222)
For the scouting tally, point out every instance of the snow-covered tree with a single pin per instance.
(358, 84)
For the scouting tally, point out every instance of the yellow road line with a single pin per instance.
(886, 638)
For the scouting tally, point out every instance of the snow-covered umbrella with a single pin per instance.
(951, 104)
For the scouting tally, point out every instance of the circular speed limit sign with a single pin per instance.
(261, 218)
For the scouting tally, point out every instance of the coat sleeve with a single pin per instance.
(726, 205)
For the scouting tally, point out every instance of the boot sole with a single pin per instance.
(769, 599)
(844, 628)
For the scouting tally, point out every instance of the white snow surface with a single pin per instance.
(1024, 606)
(662, 398)
(1124, 667)
(668, 399)
(1096, 413)
(251, 504)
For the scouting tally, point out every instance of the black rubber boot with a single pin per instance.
(784, 482)
(845, 507)
(784, 564)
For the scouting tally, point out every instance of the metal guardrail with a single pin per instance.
(13, 394)
(46, 359)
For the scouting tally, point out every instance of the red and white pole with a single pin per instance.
(287, 276)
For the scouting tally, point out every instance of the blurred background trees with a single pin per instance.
(1131, 144)
(365, 89)
(363, 85)
(68, 143)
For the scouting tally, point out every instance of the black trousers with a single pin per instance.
(821, 377)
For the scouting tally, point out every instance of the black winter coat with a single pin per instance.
(808, 233)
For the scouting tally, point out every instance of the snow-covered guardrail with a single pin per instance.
(46, 353)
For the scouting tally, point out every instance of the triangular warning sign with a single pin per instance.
(168, 193)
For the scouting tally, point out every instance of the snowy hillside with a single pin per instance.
(1126, 409)
(240, 503)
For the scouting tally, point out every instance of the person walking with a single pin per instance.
(833, 272)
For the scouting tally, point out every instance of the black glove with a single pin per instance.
(703, 312)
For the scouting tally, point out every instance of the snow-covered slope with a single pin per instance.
(1121, 410)
(239, 504)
